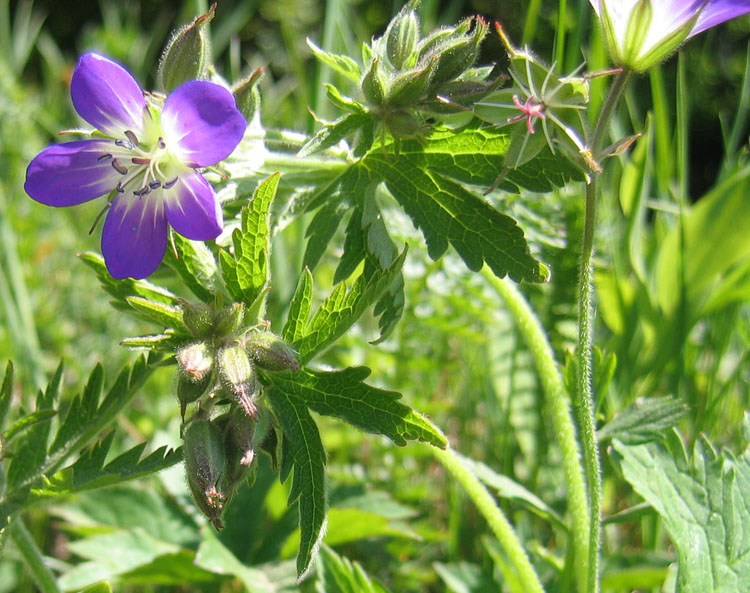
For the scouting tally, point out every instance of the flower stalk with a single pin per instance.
(583, 400)
(497, 521)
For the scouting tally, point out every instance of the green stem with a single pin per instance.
(583, 401)
(559, 406)
(32, 556)
(500, 526)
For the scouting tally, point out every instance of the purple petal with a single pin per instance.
(201, 123)
(719, 11)
(70, 173)
(134, 237)
(107, 96)
(192, 208)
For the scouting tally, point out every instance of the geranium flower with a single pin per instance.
(147, 162)
(641, 33)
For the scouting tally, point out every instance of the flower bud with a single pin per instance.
(187, 54)
(198, 319)
(271, 353)
(408, 87)
(459, 53)
(205, 463)
(401, 38)
(246, 94)
(238, 376)
(373, 88)
(195, 361)
(229, 320)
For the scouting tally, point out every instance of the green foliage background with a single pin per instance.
(673, 285)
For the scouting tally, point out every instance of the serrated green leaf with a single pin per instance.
(168, 316)
(196, 265)
(85, 420)
(354, 247)
(342, 101)
(120, 289)
(299, 308)
(167, 342)
(308, 482)
(246, 272)
(344, 65)
(343, 308)
(30, 450)
(446, 213)
(6, 394)
(344, 395)
(645, 420)
(26, 422)
(88, 472)
(321, 230)
(703, 503)
(81, 412)
(476, 156)
(333, 133)
(340, 575)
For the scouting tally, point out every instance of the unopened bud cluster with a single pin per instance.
(408, 79)
(218, 371)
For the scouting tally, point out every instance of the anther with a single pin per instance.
(132, 137)
(119, 189)
(124, 144)
(142, 192)
(137, 160)
(155, 184)
(119, 167)
(170, 183)
(161, 143)
(104, 157)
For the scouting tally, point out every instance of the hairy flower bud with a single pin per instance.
(187, 54)
(373, 87)
(205, 463)
(271, 353)
(402, 36)
(229, 320)
(246, 94)
(195, 361)
(238, 377)
(459, 52)
(410, 86)
(198, 319)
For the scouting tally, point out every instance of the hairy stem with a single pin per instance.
(559, 406)
(584, 397)
(497, 521)
(32, 556)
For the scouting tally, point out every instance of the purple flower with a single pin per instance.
(147, 162)
(641, 33)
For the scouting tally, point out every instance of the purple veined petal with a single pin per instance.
(134, 237)
(192, 208)
(719, 11)
(107, 96)
(201, 123)
(71, 173)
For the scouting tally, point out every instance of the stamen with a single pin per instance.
(137, 160)
(124, 144)
(141, 192)
(119, 167)
(104, 157)
(132, 137)
(161, 143)
(170, 183)
(155, 184)
(119, 189)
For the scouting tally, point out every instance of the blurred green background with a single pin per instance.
(456, 355)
